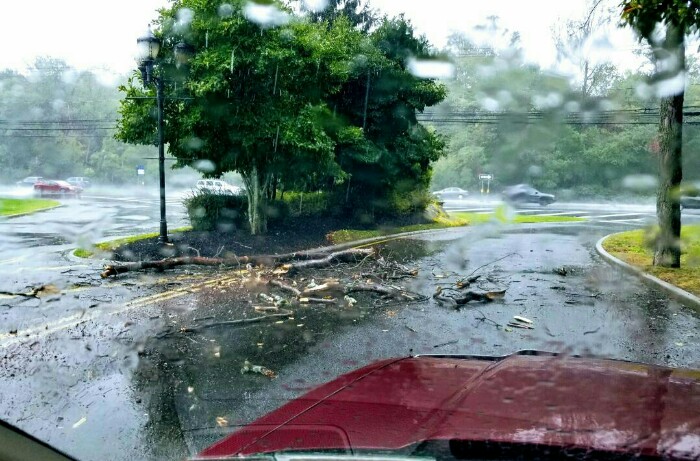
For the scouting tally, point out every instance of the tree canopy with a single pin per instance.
(292, 103)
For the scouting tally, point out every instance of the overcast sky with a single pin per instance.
(99, 35)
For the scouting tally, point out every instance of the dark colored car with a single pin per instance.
(528, 405)
(56, 188)
(522, 193)
(450, 193)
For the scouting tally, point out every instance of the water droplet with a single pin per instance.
(548, 101)
(490, 104)
(225, 10)
(430, 68)
(640, 182)
(315, 5)
(670, 86)
(205, 166)
(265, 15)
(184, 17)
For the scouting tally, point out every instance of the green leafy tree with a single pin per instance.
(53, 120)
(257, 92)
(357, 12)
(382, 147)
(679, 18)
(289, 106)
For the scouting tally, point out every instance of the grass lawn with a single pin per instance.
(114, 244)
(634, 248)
(13, 206)
(349, 235)
(455, 220)
(480, 218)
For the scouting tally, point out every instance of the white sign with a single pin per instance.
(486, 177)
(140, 171)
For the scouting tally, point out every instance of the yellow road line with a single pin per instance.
(30, 333)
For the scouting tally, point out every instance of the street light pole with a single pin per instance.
(163, 236)
(148, 47)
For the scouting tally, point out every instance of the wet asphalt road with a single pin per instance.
(105, 386)
(35, 251)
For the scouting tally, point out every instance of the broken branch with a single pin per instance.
(338, 256)
(285, 287)
(264, 260)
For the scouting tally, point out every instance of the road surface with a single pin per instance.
(105, 385)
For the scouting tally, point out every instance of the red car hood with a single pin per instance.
(521, 399)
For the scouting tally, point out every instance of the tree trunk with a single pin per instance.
(257, 184)
(668, 250)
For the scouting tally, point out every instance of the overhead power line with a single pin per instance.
(641, 116)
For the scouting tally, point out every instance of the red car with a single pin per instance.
(523, 406)
(45, 188)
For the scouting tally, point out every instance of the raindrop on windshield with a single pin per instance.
(265, 15)
(640, 182)
(225, 10)
(315, 5)
(205, 166)
(430, 68)
(670, 86)
(184, 18)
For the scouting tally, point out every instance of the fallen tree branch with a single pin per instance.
(338, 256)
(466, 297)
(387, 291)
(488, 264)
(163, 264)
(372, 287)
(35, 292)
(484, 319)
(318, 301)
(280, 284)
(263, 260)
(282, 313)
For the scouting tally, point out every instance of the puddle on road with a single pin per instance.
(133, 218)
(34, 240)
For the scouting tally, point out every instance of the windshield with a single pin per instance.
(248, 199)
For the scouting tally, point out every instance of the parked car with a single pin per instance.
(218, 186)
(450, 193)
(79, 181)
(522, 193)
(688, 201)
(56, 188)
(528, 405)
(690, 195)
(29, 181)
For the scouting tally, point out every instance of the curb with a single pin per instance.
(18, 215)
(672, 290)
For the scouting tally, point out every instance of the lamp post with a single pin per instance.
(148, 48)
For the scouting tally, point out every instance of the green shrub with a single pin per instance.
(307, 203)
(408, 199)
(208, 211)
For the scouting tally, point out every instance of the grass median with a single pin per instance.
(635, 248)
(19, 206)
(456, 219)
(111, 245)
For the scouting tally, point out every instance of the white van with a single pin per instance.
(218, 186)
